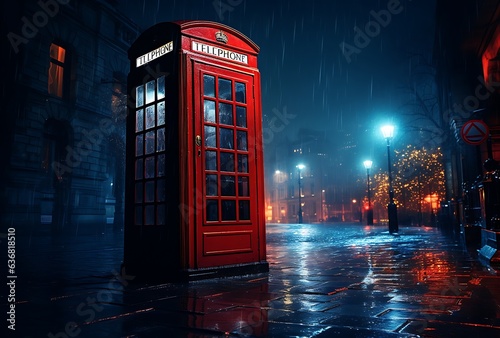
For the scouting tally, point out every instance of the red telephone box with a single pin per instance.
(194, 171)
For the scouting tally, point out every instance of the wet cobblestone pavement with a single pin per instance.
(325, 280)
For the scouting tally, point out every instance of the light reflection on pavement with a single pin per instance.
(325, 280)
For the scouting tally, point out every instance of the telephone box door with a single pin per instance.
(227, 230)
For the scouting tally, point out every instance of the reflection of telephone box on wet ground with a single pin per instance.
(194, 195)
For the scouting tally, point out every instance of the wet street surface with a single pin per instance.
(325, 280)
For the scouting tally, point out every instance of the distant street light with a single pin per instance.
(432, 199)
(300, 167)
(354, 201)
(388, 132)
(324, 212)
(277, 182)
(369, 212)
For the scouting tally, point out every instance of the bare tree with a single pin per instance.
(422, 118)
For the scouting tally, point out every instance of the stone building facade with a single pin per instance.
(64, 107)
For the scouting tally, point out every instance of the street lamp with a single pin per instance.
(432, 199)
(277, 182)
(300, 167)
(388, 132)
(354, 201)
(324, 210)
(369, 212)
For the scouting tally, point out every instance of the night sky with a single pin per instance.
(302, 63)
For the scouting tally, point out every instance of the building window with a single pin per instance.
(281, 193)
(57, 69)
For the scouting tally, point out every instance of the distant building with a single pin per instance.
(329, 183)
(64, 106)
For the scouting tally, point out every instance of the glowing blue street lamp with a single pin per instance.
(300, 167)
(388, 132)
(369, 213)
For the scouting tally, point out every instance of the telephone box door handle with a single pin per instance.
(198, 143)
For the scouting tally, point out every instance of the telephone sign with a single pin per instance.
(160, 51)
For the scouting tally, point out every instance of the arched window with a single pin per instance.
(58, 71)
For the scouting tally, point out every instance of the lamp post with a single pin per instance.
(369, 212)
(388, 132)
(324, 212)
(277, 182)
(358, 211)
(300, 167)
